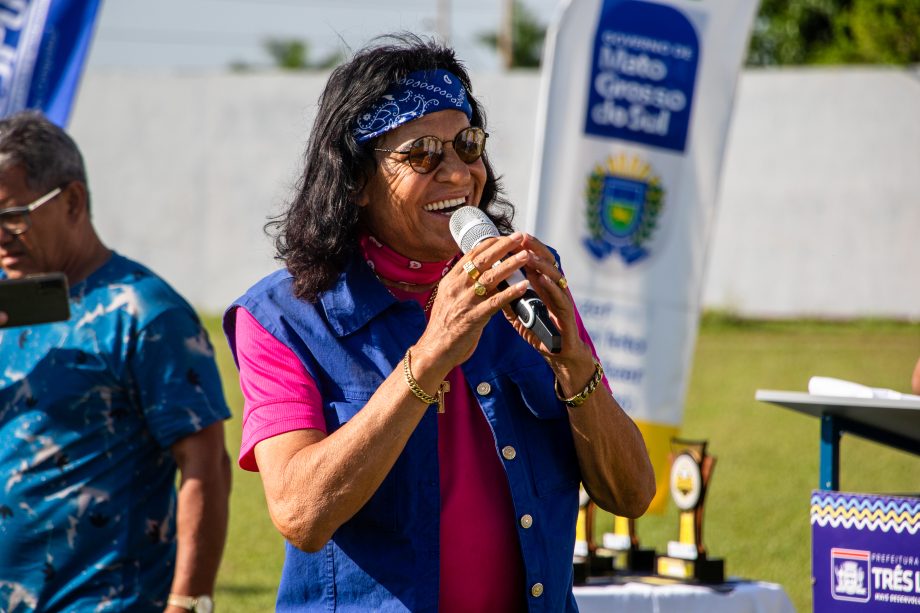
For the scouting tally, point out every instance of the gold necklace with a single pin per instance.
(408, 287)
(434, 294)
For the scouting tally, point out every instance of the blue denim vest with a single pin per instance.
(386, 557)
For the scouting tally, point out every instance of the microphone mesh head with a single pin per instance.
(469, 226)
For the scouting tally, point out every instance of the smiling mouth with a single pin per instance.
(445, 207)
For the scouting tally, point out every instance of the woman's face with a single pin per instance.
(409, 211)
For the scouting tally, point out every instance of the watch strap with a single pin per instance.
(186, 602)
(189, 603)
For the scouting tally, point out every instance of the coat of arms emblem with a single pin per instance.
(624, 198)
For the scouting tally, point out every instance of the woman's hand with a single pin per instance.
(459, 314)
(545, 278)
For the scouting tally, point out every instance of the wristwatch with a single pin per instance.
(198, 604)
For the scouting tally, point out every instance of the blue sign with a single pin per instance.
(43, 46)
(642, 74)
(865, 552)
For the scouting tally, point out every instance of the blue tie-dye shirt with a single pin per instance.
(88, 411)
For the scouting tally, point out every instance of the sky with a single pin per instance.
(213, 34)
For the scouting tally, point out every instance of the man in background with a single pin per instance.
(98, 412)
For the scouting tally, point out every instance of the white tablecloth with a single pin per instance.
(746, 597)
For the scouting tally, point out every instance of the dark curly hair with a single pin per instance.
(318, 233)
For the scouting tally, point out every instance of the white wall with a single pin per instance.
(820, 205)
(819, 213)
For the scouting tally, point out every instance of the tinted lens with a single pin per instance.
(469, 144)
(14, 222)
(425, 154)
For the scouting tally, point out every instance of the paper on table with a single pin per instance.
(828, 386)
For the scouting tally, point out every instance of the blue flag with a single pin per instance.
(43, 46)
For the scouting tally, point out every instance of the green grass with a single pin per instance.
(757, 511)
(254, 552)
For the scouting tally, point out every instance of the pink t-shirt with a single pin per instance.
(481, 566)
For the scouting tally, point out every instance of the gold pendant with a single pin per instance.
(442, 389)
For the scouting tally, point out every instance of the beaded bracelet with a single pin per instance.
(579, 399)
(418, 392)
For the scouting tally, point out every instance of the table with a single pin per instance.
(744, 597)
(895, 423)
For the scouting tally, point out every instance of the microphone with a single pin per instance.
(470, 226)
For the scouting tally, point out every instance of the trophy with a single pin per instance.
(580, 556)
(691, 471)
(622, 547)
(619, 554)
(600, 561)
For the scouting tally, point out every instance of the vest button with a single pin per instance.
(509, 453)
(536, 590)
(526, 521)
(483, 389)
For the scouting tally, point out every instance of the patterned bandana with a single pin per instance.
(420, 93)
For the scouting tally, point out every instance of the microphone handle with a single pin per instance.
(534, 315)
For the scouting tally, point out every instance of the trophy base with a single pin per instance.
(626, 561)
(640, 561)
(704, 570)
(602, 562)
(580, 570)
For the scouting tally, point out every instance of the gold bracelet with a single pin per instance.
(418, 392)
(579, 399)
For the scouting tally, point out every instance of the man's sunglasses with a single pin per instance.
(427, 152)
(16, 220)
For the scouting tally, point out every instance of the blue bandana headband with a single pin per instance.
(420, 93)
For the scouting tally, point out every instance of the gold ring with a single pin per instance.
(555, 264)
(471, 270)
(479, 289)
(562, 283)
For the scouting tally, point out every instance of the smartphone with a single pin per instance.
(35, 299)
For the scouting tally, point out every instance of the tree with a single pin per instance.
(294, 54)
(792, 31)
(887, 31)
(835, 32)
(288, 54)
(527, 37)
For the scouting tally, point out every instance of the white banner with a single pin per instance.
(635, 107)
